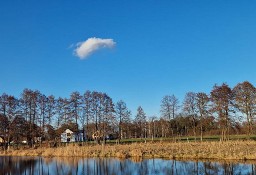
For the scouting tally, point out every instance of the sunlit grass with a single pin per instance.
(184, 138)
(234, 149)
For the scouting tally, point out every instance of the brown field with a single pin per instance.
(230, 150)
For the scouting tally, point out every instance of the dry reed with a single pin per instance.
(236, 150)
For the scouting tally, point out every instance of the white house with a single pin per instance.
(70, 136)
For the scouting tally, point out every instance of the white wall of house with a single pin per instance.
(67, 136)
(70, 136)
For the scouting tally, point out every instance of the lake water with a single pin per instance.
(112, 166)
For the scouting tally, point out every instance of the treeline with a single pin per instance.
(33, 115)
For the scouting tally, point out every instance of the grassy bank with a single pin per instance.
(237, 150)
(186, 138)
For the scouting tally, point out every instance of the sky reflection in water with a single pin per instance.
(112, 166)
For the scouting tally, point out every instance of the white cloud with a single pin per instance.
(91, 45)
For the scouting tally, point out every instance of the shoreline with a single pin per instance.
(229, 150)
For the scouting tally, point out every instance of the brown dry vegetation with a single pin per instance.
(237, 150)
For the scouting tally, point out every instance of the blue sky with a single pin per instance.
(161, 47)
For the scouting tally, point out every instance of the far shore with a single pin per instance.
(229, 150)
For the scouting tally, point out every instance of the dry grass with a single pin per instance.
(237, 150)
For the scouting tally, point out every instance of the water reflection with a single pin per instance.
(111, 166)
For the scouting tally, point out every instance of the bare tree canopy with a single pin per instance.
(123, 115)
(169, 107)
(245, 101)
(221, 97)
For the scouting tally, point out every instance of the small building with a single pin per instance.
(70, 136)
(1, 140)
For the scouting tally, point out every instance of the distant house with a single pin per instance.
(1, 140)
(70, 136)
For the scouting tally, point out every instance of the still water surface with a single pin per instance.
(112, 166)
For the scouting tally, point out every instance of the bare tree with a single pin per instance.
(189, 107)
(3, 104)
(50, 108)
(9, 108)
(169, 109)
(30, 102)
(75, 102)
(202, 104)
(108, 116)
(140, 121)
(245, 102)
(18, 128)
(96, 109)
(101, 112)
(152, 126)
(63, 111)
(4, 128)
(50, 111)
(123, 114)
(221, 97)
(87, 112)
(42, 104)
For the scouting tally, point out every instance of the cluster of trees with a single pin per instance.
(223, 111)
(35, 115)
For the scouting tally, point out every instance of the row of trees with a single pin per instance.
(227, 108)
(35, 115)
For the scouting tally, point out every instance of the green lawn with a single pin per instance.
(184, 138)
(169, 139)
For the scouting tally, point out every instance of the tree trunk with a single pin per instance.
(201, 135)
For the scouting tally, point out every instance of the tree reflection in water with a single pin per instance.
(17, 165)
(111, 166)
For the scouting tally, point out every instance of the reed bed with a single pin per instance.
(229, 150)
